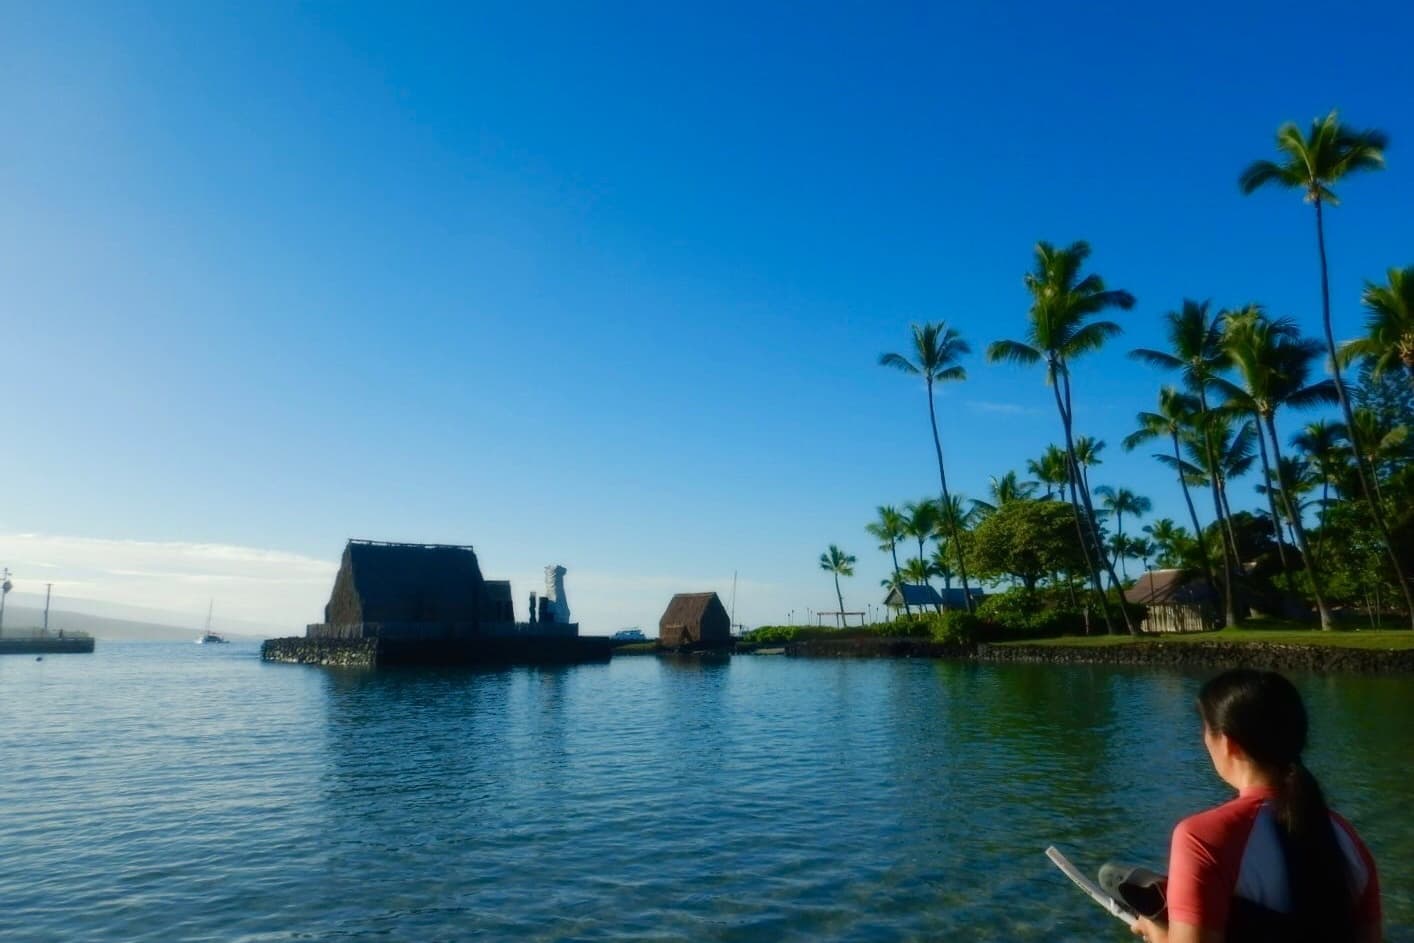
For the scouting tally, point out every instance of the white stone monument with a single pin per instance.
(555, 592)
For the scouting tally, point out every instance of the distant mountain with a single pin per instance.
(103, 627)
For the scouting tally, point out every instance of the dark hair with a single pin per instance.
(1262, 712)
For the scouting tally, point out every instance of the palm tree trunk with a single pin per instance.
(1193, 516)
(898, 579)
(947, 502)
(1301, 544)
(1225, 537)
(1093, 520)
(1072, 474)
(1375, 510)
(1119, 544)
(1272, 507)
(839, 619)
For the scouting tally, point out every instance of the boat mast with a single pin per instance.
(732, 618)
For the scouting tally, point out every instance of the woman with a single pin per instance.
(1275, 863)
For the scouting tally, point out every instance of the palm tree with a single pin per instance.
(1168, 537)
(1060, 329)
(1313, 164)
(936, 349)
(1274, 362)
(920, 521)
(1320, 442)
(1050, 470)
(1087, 456)
(1119, 502)
(940, 565)
(889, 529)
(839, 563)
(1389, 327)
(1195, 339)
(1380, 443)
(1176, 415)
(1004, 490)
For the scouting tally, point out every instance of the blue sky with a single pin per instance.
(606, 285)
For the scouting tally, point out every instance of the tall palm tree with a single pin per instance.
(1379, 443)
(1196, 352)
(940, 564)
(839, 563)
(1388, 343)
(1119, 502)
(1176, 415)
(916, 572)
(889, 529)
(1087, 456)
(937, 349)
(920, 521)
(1320, 442)
(1050, 470)
(1313, 164)
(1275, 362)
(1168, 537)
(1060, 329)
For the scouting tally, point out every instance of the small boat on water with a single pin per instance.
(209, 637)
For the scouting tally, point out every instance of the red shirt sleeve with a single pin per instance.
(1198, 892)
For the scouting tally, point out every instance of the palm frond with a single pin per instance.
(1013, 352)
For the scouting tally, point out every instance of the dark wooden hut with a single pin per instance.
(920, 595)
(1176, 601)
(695, 619)
(385, 588)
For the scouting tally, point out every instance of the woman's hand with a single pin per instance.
(1151, 931)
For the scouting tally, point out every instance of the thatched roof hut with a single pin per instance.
(694, 619)
(1177, 601)
(407, 583)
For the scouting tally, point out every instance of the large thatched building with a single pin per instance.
(695, 620)
(418, 591)
(1176, 601)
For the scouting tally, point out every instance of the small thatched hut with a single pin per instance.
(694, 619)
(1176, 601)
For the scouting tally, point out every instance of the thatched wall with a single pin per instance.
(692, 619)
(380, 582)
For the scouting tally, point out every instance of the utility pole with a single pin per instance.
(732, 617)
(48, 588)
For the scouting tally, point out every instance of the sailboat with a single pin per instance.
(209, 637)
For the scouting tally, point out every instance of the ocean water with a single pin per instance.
(179, 792)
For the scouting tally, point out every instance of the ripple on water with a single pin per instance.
(167, 792)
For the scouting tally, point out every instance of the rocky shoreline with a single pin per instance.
(1208, 655)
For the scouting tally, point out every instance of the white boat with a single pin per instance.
(209, 637)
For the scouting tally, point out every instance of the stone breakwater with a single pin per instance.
(1206, 655)
(335, 653)
(1213, 655)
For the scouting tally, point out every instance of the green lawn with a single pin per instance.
(1284, 633)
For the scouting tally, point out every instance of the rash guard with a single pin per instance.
(1227, 863)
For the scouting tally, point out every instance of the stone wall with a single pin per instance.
(1208, 655)
(336, 653)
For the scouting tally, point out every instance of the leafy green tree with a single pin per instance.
(1028, 540)
(1388, 344)
(1060, 329)
(839, 563)
(889, 528)
(937, 349)
(1196, 352)
(1312, 164)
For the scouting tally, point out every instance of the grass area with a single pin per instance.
(1284, 633)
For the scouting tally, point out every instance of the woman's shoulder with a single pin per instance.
(1218, 825)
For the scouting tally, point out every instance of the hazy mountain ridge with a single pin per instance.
(104, 627)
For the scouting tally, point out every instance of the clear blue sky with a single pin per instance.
(607, 284)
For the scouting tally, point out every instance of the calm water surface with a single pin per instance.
(176, 792)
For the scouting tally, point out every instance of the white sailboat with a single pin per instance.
(209, 637)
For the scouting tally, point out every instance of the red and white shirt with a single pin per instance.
(1234, 852)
